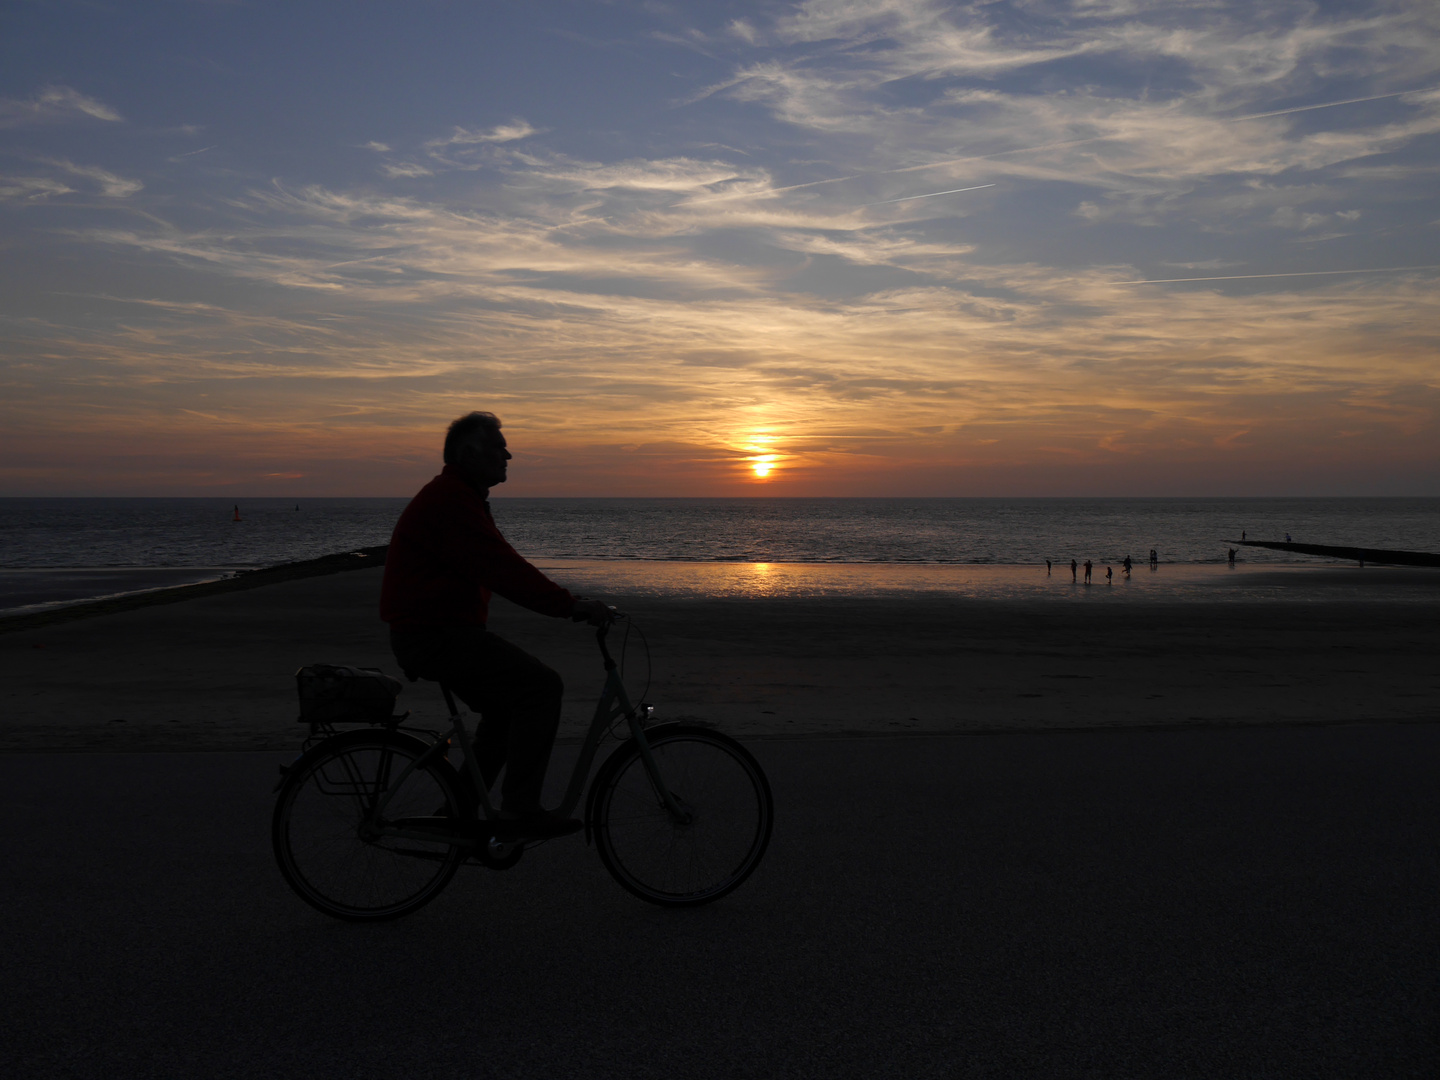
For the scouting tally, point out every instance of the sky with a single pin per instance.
(891, 247)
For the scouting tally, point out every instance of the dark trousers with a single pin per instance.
(517, 697)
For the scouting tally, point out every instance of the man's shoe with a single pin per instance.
(539, 825)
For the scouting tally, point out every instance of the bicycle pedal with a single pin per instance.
(465, 830)
(543, 826)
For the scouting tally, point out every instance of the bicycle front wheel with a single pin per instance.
(324, 831)
(710, 841)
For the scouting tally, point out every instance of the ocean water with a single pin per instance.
(61, 550)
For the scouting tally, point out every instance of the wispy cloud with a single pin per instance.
(501, 133)
(405, 170)
(31, 188)
(52, 104)
(601, 317)
(951, 60)
(110, 185)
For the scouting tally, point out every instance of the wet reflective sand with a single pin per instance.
(216, 672)
(1167, 582)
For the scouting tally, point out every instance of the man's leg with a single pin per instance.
(517, 695)
(523, 695)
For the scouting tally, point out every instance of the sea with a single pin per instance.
(65, 550)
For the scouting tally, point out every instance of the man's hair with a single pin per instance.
(467, 427)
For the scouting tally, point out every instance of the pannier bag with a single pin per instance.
(333, 694)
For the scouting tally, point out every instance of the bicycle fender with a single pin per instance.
(402, 738)
(397, 738)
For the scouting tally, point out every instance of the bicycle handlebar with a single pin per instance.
(614, 614)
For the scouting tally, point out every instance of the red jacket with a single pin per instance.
(446, 557)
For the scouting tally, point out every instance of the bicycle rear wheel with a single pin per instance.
(321, 828)
(707, 850)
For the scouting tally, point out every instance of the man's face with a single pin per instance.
(484, 459)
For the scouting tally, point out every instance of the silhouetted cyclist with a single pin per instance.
(446, 558)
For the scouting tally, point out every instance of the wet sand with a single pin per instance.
(214, 672)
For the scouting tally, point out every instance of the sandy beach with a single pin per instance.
(214, 672)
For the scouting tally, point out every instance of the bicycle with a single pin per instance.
(373, 824)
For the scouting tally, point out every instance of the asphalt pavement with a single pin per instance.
(1228, 902)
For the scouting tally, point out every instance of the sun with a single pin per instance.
(761, 469)
(762, 465)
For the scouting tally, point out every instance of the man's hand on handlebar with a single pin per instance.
(594, 612)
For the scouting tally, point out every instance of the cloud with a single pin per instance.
(111, 185)
(404, 170)
(501, 133)
(677, 174)
(622, 313)
(39, 188)
(1287, 217)
(908, 80)
(31, 188)
(468, 149)
(744, 30)
(52, 104)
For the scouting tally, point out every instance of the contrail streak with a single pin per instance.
(1328, 105)
(998, 153)
(929, 195)
(1301, 273)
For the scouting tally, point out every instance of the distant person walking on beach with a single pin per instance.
(446, 558)
(1047, 567)
(1088, 568)
(1154, 557)
(1232, 556)
(1127, 565)
(1109, 576)
(1073, 568)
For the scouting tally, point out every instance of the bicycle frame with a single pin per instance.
(613, 703)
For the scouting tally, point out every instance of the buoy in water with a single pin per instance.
(237, 513)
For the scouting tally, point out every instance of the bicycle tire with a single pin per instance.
(323, 804)
(666, 861)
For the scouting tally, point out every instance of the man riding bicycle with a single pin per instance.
(446, 558)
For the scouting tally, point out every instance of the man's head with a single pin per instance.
(475, 446)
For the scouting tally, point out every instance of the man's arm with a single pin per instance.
(594, 612)
(499, 568)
